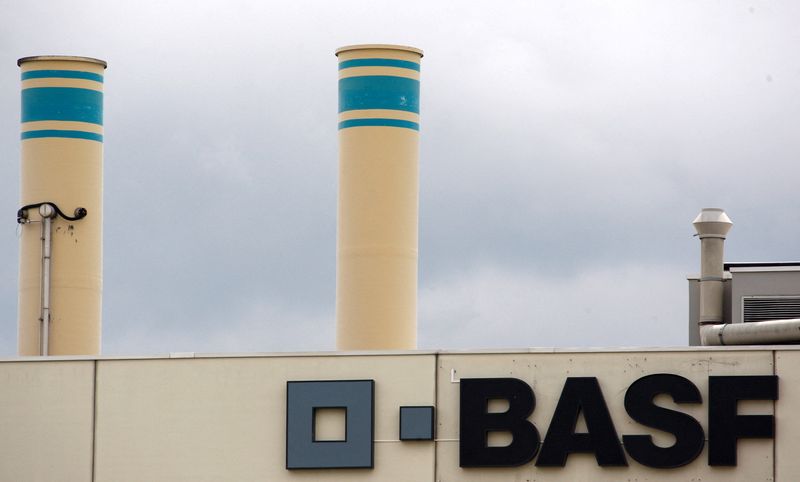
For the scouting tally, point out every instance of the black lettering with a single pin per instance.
(725, 426)
(475, 423)
(687, 431)
(581, 394)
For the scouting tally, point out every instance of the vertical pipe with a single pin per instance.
(376, 276)
(62, 163)
(46, 211)
(712, 226)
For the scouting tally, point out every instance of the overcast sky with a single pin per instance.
(565, 149)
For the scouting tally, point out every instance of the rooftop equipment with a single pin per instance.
(61, 189)
(740, 303)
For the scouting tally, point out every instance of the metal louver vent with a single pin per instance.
(765, 308)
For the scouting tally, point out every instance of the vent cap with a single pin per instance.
(712, 223)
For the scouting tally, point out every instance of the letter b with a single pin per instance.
(476, 423)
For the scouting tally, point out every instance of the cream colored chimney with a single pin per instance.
(61, 215)
(376, 274)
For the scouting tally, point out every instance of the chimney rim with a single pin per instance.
(404, 48)
(73, 58)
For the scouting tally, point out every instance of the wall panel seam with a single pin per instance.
(94, 420)
(775, 415)
(436, 417)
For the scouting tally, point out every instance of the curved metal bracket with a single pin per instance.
(22, 213)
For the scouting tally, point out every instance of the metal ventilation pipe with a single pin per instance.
(61, 189)
(377, 233)
(712, 224)
(754, 333)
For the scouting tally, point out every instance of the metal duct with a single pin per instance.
(712, 225)
(755, 333)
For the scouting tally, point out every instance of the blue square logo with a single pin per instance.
(303, 399)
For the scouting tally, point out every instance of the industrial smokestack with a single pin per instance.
(61, 214)
(712, 225)
(376, 278)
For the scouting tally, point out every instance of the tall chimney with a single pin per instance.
(712, 225)
(61, 213)
(376, 274)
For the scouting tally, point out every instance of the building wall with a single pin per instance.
(205, 418)
(46, 420)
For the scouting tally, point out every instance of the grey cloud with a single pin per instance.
(565, 148)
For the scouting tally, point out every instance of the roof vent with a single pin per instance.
(766, 308)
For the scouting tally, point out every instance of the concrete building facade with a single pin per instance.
(210, 417)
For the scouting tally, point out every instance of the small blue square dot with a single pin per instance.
(416, 423)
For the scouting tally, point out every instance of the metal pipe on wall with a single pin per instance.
(61, 167)
(47, 212)
(377, 232)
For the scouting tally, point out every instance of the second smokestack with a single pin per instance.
(376, 273)
(61, 199)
